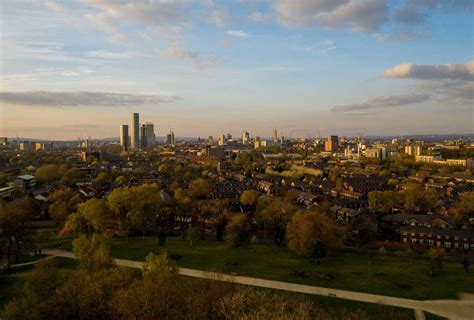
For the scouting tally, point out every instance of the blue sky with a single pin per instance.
(77, 68)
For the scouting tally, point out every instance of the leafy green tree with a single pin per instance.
(92, 216)
(435, 260)
(63, 202)
(92, 252)
(15, 226)
(383, 201)
(238, 230)
(465, 206)
(199, 189)
(165, 168)
(159, 264)
(48, 173)
(276, 214)
(311, 231)
(249, 197)
(191, 235)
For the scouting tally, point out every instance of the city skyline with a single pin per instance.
(209, 67)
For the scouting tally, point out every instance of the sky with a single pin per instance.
(79, 68)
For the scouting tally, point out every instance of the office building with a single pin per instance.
(170, 139)
(245, 137)
(124, 140)
(3, 141)
(44, 146)
(27, 146)
(222, 140)
(410, 150)
(332, 144)
(143, 137)
(134, 131)
(275, 135)
(150, 134)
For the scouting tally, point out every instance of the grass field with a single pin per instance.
(12, 284)
(391, 276)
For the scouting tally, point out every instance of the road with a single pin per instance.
(451, 309)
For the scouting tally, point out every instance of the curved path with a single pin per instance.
(451, 309)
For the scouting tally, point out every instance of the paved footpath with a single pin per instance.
(451, 309)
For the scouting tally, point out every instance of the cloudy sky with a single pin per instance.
(78, 68)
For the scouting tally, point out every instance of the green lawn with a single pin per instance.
(391, 276)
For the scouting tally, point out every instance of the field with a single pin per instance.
(391, 276)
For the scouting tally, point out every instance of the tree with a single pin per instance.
(138, 171)
(383, 201)
(238, 230)
(159, 264)
(412, 197)
(310, 232)
(199, 188)
(63, 203)
(465, 264)
(47, 174)
(92, 252)
(133, 208)
(191, 235)
(165, 168)
(249, 197)
(92, 216)
(276, 213)
(15, 229)
(71, 177)
(465, 206)
(436, 258)
(102, 179)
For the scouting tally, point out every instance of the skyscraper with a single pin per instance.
(134, 134)
(143, 140)
(245, 137)
(124, 136)
(332, 144)
(150, 134)
(222, 140)
(170, 139)
(275, 135)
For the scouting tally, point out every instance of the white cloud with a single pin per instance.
(71, 99)
(237, 33)
(383, 102)
(357, 15)
(178, 53)
(463, 72)
(110, 55)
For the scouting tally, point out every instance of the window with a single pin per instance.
(456, 245)
(447, 237)
(472, 245)
(456, 238)
(404, 233)
(438, 243)
(422, 234)
(404, 240)
(447, 244)
(421, 241)
(466, 246)
(413, 240)
(430, 242)
(438, 237)
(412, 234)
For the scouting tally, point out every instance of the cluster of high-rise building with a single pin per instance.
(138, 136)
